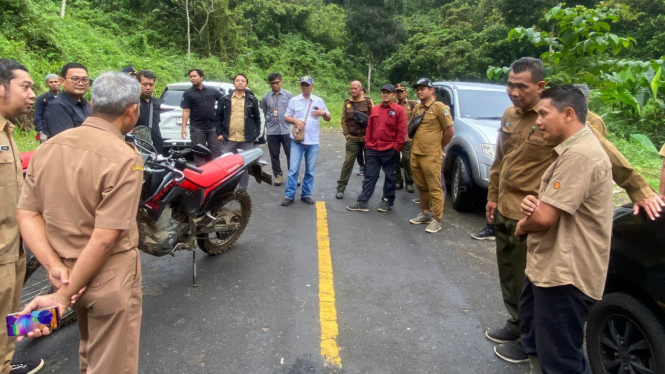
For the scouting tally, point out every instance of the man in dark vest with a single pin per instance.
(353, 132)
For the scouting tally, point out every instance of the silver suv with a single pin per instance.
(476, 109)
(171, 113)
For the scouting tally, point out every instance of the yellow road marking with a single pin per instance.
(327, 311)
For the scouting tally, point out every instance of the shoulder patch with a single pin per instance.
(557, 185)
(137, 168)
(446, 111)
(348, 106)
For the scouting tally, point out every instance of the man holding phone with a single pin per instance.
(77, 212)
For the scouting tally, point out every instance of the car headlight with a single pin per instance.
(488, 149)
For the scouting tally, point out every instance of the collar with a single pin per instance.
(302, 98)
(51, 95)
(389, 105)
(238, 97)
(362, 98)
(201, 89)
(403, 102)
(5, 123)
(521, 111)
(147, 102)
(429, 102)
(576, 138)
(102, 124)
(276, 93)
(71, 99)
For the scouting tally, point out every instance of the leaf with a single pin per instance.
(655, 83)
(604, 25)
(615, 39)
(644, 142)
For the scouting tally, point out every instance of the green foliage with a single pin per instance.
(644, 142)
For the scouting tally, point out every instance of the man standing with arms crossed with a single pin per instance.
(405, 164)
(77, 213)
(522, 156)
(432, 136)
(278, 132)
(53, 84)
(198, 107)
(16, 98)
(353, 132)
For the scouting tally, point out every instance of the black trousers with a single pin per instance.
(208, 138)
(552, 321)
(361, 159)
(374, 162)
(274, 143)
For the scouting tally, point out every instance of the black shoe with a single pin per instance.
(287, 201)
(409, 188)
(511, 352)
(384, 206)
(486, 233)
(358, 207)
(339, 195)
(28, 367)
(398, 186)
(501, 335)
(308, 200)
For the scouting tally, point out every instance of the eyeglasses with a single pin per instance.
(276, 83)
(79, 80)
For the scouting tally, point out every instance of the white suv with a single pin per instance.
(171, 113)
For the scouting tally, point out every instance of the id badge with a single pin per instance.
(274, 112)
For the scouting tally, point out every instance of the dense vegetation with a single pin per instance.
(336, 41)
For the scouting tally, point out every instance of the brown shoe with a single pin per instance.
(279, 180)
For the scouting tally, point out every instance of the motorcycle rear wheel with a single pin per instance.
(235, 210)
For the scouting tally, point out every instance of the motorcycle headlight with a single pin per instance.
(488, 149)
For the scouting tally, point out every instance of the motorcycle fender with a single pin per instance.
(256, 170)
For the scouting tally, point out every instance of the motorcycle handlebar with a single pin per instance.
(193, 168)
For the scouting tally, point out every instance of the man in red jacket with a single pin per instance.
(384, 137)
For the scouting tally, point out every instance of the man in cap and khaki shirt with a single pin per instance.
(16, 98)
(78, 213)
(432, 136)
(569, 227)
(407, 105)
(522, 156)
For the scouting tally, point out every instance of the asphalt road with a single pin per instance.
(406, 301)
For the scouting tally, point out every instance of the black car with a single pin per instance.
(625, 331)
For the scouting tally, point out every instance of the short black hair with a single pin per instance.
(7, 67)
(145, 74)
(198, 71)
(71, 65)
(533, 65)
(273, 76)
(567, 96)
(240, 75)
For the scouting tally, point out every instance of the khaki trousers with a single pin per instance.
(109, 317)
(427, 175)
(11, 284)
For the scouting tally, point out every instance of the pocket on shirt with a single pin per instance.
(537, 148)
(7, 167)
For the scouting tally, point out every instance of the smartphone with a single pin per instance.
(38, 319)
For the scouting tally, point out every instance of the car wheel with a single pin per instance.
(624, 336)
(462, 185)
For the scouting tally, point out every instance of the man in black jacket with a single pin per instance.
(238, 121)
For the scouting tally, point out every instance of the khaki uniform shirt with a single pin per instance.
(365, 105)
(576, 249)
(427, 140)
(522, 156)
(237, 121)
(596, 122)
(85, 178)
(406, 104)
(11, 181)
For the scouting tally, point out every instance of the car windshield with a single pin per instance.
(479, 104)
(173, 97)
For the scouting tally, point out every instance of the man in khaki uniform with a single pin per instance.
(89, 225)
(433, 134)
(569, 228)
(521, 158)
(353, 132)
(405, 164)
(592, 118)
(16, 98)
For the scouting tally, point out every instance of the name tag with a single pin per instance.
(391, 113)
(4, 148)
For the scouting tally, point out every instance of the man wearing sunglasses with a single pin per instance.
(70, 108)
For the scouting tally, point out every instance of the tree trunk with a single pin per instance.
(189, 37)
(62, 10)
(369, 77)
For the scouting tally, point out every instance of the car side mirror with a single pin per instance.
(201, 151)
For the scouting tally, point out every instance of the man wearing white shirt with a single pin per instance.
(303, 112)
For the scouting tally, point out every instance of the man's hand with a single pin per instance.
(59, 275)
(529, 204)
(519, 231)
(221, 138)
(490, 211)
(300, 125)
(651, 205)
(318, 113)
(41, 302)
(184, 133)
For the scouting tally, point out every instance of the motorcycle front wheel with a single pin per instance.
(234, 212)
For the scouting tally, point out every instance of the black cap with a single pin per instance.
(129, 70)
(388, 87)
(424, 82)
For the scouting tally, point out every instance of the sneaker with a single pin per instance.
(358, 207)
(487, 233)
(298, 182)
(398, 186)
(434, 226)
(361, 171)
(422, 218)
(339, 195)
(279, 180)
(308, 200)
(501, 335)
(416, 201)
(384, 206)
(287, 201)
(28, 367)
(511, 352)
(409, 188)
